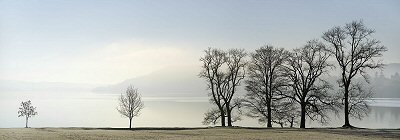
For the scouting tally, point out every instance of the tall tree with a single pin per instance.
(27, 110)
(236, 72)
(355, 51)
(212, 72)
(223, 72)
(265, 80)
(130, 104)
(305, 67)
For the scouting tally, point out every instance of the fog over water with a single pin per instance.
(99, 110)
(170, 101)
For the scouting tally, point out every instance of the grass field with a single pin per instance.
(198, 133)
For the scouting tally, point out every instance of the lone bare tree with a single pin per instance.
(27, 110)
(305, 67)
(355, 52)
(223, 72)
(130, 104)
(265, 78)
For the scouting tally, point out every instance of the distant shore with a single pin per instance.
(198, 133)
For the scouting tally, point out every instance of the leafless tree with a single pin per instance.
(236, 72)
(265, 78)
(305, 67)
(212, 72)
(223, 72)
(27, 110)
(355, 52)
(130, 104)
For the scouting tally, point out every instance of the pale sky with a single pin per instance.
(106, 42)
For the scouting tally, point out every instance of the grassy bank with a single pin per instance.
(198, 133)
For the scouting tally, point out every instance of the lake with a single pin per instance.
(99, 110)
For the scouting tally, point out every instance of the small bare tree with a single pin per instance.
(130, 104)
(355, 51)
(27, 110)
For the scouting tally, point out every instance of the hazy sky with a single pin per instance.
(105, 42)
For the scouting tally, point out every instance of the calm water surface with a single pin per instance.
(99, 110)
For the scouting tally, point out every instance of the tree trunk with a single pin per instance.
(130, 123)
(26, 122)
(291, 122)
(228, 114)
(269, 123)
(222, 118)
(303, 116)
(346, 106)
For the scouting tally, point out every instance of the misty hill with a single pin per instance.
(385, 87)
(170, 81)
(184, 81)
(386, 82)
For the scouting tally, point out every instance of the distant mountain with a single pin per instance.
(184, 81)
(171, 81)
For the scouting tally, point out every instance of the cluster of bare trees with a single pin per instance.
(283, 86)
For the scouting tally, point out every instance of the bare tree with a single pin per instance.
(223, 72)
(212, 72)
(235, 74)
(130, 104)
(355, 52)
(265, 78)
(27, 110)
(305, 67)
